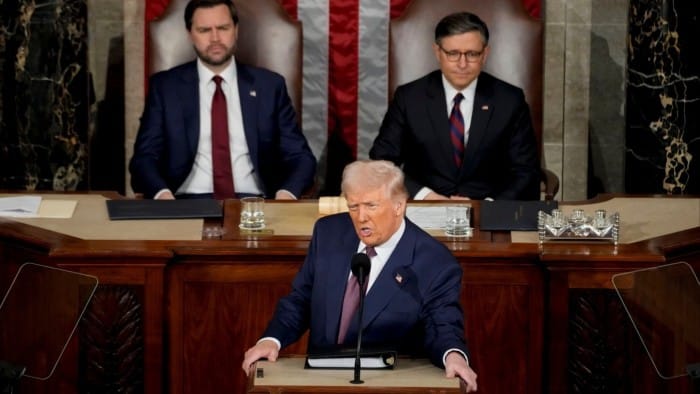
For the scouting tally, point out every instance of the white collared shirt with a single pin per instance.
(200, 178)
(384, 251)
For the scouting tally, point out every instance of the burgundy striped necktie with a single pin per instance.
(457, 130)
(220, 149)
(351, 302)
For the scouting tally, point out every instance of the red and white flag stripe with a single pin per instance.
(345, 46)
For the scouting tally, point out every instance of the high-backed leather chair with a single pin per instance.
(516, 41)
(267, 37)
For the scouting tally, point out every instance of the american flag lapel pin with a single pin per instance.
(484, 107)
(253, 93)
(398, 278)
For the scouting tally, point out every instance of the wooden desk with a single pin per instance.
(288, 376)
(538, 318)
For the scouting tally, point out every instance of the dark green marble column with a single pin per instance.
(45, 95)
(663, 97)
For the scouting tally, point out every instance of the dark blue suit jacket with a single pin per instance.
(168, 136)
(501, 157)
(418, 314)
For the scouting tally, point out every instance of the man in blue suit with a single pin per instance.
(173, 152)
(412, 302)
(494, 152)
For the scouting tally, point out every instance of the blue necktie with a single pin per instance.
(457, 130)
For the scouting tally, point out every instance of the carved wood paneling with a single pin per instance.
(111, 355)
(599, 332)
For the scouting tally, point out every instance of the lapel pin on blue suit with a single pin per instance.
(398, 278)
(253, 93)
(484, 107)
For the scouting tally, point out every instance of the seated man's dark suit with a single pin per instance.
(167, 141)
(501, 156)
(412, 307)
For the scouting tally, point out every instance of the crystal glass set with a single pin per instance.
(579, 226)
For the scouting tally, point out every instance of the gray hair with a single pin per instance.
(373, 174)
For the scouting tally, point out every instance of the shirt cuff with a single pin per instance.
(422, 193)
(444, 356)
(279, 345)
(161, 191)
(287, 192)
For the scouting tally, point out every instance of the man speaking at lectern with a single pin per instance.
(412, 298)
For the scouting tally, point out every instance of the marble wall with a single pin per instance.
(622, 79)
(663, 96)
(46, 95)
(608, 127)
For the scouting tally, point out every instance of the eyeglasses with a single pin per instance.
(469, 56)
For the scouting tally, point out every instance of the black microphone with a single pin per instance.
(360, 266)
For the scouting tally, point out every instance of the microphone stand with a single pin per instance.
(361, 282)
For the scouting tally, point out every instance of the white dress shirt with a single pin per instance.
(200, 178)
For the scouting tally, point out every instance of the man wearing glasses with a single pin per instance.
(458, 132)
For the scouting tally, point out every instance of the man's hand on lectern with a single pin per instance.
(263, 349)
(456, 366)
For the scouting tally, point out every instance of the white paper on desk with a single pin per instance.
(427, 217)
(20, 207)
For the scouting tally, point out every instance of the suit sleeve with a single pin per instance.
(292, 315)
(149, 146)
(389, 143)
(443, 317)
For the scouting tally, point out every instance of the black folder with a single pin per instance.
(512, 215)
(163, 209)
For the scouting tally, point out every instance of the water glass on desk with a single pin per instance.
(252, 213)
(458, 220)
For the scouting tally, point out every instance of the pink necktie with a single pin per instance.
(352, 299)
(220, 149)
(457, 130)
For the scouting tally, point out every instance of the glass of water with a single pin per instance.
(458, 220)
(252, 213)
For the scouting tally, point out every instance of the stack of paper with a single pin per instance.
(20, 207)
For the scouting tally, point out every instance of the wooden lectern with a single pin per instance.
(410, 376)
